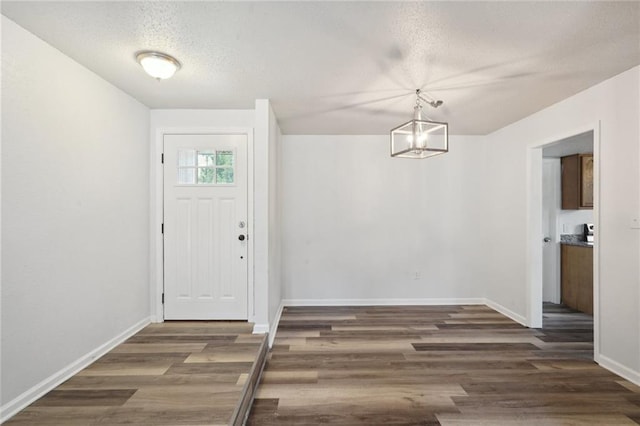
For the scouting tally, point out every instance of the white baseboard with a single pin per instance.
(12, 407)
(619, 369)
(383, 302)
(506, 312)
(260, 328)
(269, 328)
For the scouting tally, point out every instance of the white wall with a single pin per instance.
(275, 232)
(615, 104)
(261, 213)
(75, 213)
(572, 221)
(358, 224)
(188, 121)
(267, 232)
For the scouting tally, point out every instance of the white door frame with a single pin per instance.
(157, 213)
(534, 230)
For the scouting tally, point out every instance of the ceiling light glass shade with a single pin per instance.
(158, 65)
(419, 138)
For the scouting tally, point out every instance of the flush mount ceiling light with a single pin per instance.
(420, 138)
(158, 65)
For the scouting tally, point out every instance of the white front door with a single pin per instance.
(205, 227)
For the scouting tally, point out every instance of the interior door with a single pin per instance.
(205, 227)
(550, 250)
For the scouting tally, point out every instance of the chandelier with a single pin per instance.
(420, 138)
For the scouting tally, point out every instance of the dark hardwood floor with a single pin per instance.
(449, 365)
(563, 324)
(403, 365)
(174, 373)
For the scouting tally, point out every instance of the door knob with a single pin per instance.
(241, 237)
(547, 239)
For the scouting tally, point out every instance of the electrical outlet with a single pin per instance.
(416, 276)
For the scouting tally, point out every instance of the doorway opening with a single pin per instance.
(563, 280)
(207, 171)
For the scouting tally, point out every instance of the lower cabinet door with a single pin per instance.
(577, 277)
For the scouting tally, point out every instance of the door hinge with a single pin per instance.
(163, 298)
(162, 228)
(162, 158)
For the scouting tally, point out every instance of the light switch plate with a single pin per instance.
(635, 223)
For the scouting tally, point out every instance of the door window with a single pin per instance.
(206, 167)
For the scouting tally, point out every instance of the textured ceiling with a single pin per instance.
(349, 67)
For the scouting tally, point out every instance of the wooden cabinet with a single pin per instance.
(577, 277)
(577, 182)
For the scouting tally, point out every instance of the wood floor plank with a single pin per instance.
(226, 356)
(348, 346)
(59, 416)
(298, 376)
(192, 416)
(159, 347)
(177, 397)
(188, 338)
(499, 347)
(344, 415)
(85, 397)
(546, 403)
(127, 369)
(133, 382)
(209, 368)
(299, 395)
(449, 419)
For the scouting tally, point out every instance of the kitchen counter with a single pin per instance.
(577, 243)
(574, 240)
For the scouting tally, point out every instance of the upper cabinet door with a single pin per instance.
(577, 182)
(586, 181)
